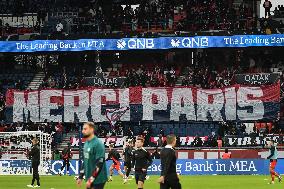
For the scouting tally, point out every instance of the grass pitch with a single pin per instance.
(188, 182)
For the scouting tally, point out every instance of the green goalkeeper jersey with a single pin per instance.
(94, 150)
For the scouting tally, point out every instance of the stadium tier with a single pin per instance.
(115, 91)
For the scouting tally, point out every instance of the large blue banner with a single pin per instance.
(143, 43)
(198, 167)
(184, 167)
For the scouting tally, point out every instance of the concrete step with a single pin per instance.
(37, 80)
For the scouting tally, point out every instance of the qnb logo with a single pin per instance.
(136, 43)
(141, 43)
(121, 44)
(175, 43)
(189, 42)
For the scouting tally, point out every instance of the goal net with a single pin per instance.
(14, 152)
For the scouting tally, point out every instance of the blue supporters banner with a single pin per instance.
(143, 43)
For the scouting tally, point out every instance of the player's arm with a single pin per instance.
(32, 152)
(133, 161)
(82, 172)
(149, 159)
(109, 156)
(97, 170)
(272, 149)
(82, 169)
(100, 151)
(166, 163)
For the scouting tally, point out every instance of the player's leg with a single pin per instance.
(120, 173)
(68, 167)
(34, 175)
(141, 179)
(140, 185)
(174, 183)
(37, 176)
(164, 185)
(136, 174)
(128, 169)
(99, 186)
(272, 172)
(117, 168)
(110, 173)
(33, 179)
(63, 166)
(125, 167)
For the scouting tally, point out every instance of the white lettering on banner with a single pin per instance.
(105, 81)
(73, 168)
(214, 108)
(257, 78)
(220, 166)
(141, 43)
(183, 141)
(256, 105)
(178, 168)
(124, 102)
(15, 167)
(69, 105)
(109, 140)
(96, 103)
(206, 167)
(242, 166)
(187, 107)
(46, 106)
(230, 103)
(94, 44)
(204, 105)
(29, 108)
(277, 40)
(155, 168)
(15, 171)
(75, 142)
(195, 42)
(119, 141)
(147, 101)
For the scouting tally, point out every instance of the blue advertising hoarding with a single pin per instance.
(184, 167)
(143, 43)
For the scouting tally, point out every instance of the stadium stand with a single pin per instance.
(209, 68)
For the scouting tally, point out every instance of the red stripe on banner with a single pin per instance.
(76, 101)
(135, 95)
(10, 97)
(271, 93)
(57, 100)
(110, 102)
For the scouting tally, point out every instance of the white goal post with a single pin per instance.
(14, 152)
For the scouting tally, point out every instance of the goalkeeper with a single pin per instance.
(94, 168)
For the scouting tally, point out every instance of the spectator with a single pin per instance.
(267, 6)
(156, 154)
(59, 28)
(160, 141)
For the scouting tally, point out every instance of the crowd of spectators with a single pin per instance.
(279, 11)
(217, 71)
(147, 15)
